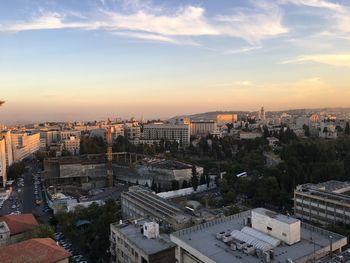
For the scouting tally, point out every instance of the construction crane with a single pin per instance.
(109, 154)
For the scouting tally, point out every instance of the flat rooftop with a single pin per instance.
(149, 246)
(165, 164)
(203, 239)
(156, 204)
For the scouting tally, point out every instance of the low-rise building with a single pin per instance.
(72, 145)
(140, 242)
(36, 250)
(326, 203)
(139, 202)
(249, 135)
(239, 238)
(17, 225)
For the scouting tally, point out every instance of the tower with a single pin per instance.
(262, 114)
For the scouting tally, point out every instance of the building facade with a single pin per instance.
(171, 132)
(325, 203)
(72, 145)
(140, 242)
(203, 127)
(24, 145)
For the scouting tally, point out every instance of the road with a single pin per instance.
(28, 192)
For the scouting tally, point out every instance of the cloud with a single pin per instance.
(340, 60)
(155, 38)
(317, 3)
(246, 49)
(43, 22)
(145, 21)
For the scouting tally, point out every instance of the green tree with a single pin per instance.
(15, 170)
(40, 231)
(194, 178)
(347, 129)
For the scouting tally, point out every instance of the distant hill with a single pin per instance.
(212, 115)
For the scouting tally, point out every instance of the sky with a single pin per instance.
(92, 59)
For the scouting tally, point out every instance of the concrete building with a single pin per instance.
(72, 145)
(140, 242)
(132, 132)
(48, 137)
(171, 132)
(65, 135)
(234, 239)
(3, 175)
(139, 202)
(222, 119)
(6, 135)
(203, 128)
(249, 135)
(325, 203)
(24, 145)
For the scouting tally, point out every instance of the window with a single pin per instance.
(269, 228)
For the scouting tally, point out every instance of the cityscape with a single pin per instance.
(162, 131)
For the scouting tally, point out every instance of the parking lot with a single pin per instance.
(75, 255)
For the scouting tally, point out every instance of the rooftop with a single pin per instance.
(36, 250)
(19, 223)
(158, 205)
(149, 246)
(202, 238)
(165, 164)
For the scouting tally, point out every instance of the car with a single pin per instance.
(13, 206)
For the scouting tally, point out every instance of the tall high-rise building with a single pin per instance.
(3, 161)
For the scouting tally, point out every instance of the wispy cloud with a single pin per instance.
(147, 21)
(246, 49)
(340, 60)
(316, 3)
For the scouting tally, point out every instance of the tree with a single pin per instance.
(154, 186)
(266, 132)
(16, 169)
(306, 129)
(347, 129)
(175, 185)
(202, 179)
(40, 231)
(184, 184)
(194, 178)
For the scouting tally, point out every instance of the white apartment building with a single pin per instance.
(8, 147)
(65, 135)
(72, 145)
(203, 127)
(132, 131)
(24, 145)
(171, 132)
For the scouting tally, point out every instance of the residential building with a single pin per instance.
(255, 236)
(132, 132)
(36, 250)
(171, 132)
(6, 135)
(140, 242)
(65, 135)
(17, 225)
(3, 166)
(72, 145)
(140, 202)
(203, 128)
(249, 135)
(326, 203)
(24, 145)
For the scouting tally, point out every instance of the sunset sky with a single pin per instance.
(91, 59)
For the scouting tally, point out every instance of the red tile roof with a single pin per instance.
(19, 223)
(36, 250)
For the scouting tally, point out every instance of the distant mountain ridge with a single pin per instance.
(212, 114)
